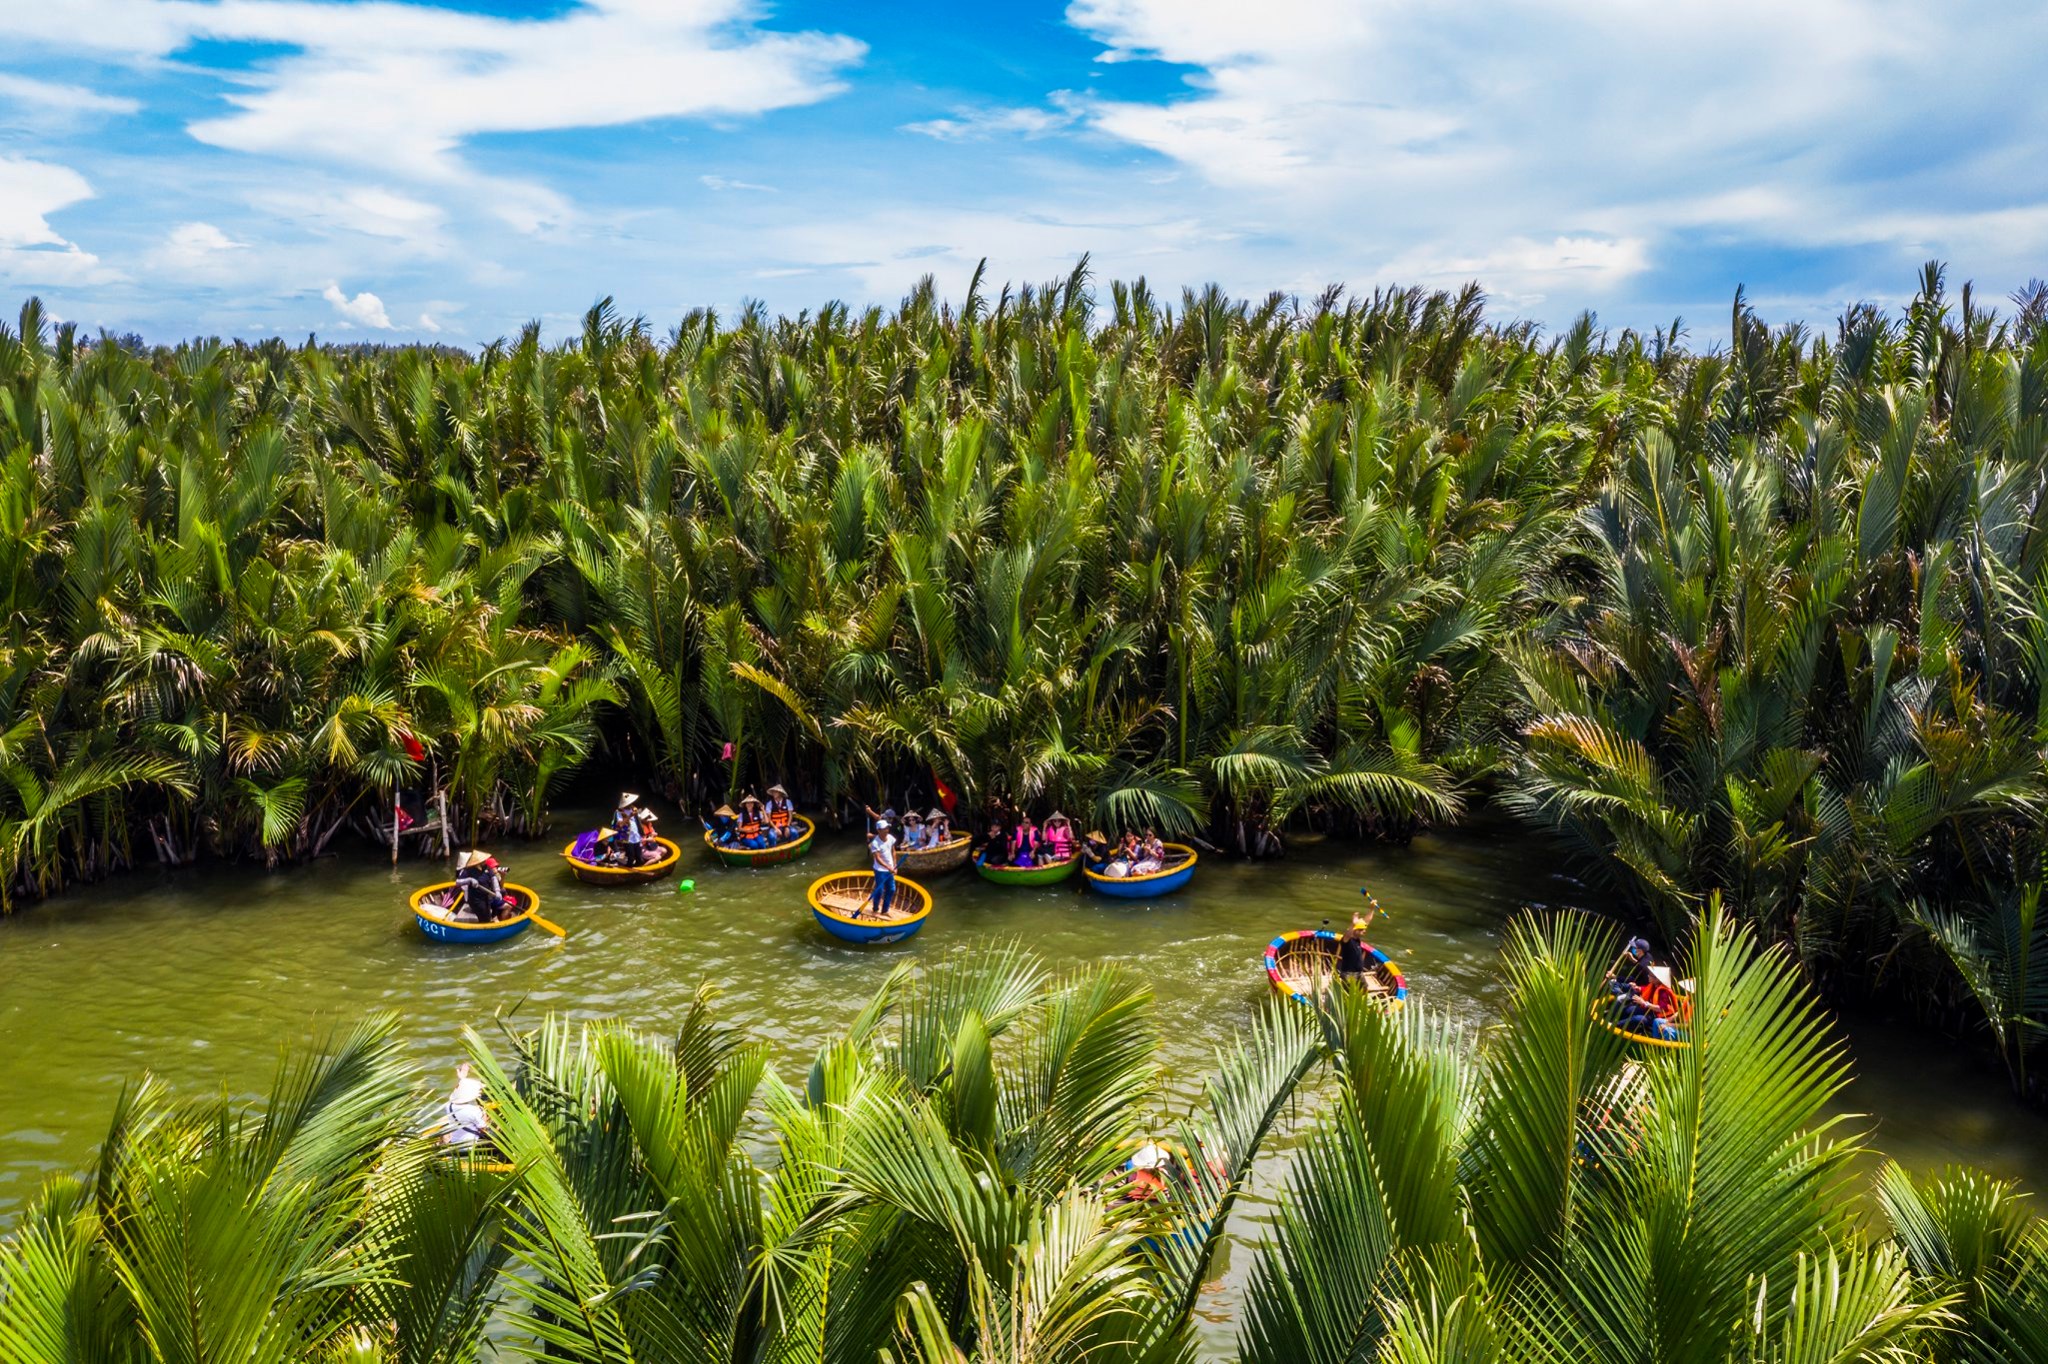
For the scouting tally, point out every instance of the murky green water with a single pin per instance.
(200, 975)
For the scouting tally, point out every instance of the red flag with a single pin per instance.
(412, 747)
(948, 797)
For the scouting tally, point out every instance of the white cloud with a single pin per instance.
(65, 101)
(198, 251)
(720, 184)
(364, 310)
(1570, 268)
(331, 205)
(32, 252)
(1568, 146)
(29, 192)
(428, 324)
(399, 88)
(969, 124)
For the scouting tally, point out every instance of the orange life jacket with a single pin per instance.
(1660, 997)
(750, 827)
(779, 816)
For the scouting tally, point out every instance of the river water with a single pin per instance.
(200, 975)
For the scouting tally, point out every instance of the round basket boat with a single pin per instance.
(1303, 965)
(1603, 1014)
(431, 908)
(838, 902)
(948, 856)
(598, 874)
(1046, 874)
(1171, 877)
(765, 857)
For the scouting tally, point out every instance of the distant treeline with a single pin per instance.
(1769, 620)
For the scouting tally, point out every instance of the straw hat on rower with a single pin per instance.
(936, 813)
(473, 857)
(1661, 974)
(750, 799)
(725, 812)
(778, 791)
(628, 798)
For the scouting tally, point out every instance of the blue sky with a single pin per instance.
(379, 170)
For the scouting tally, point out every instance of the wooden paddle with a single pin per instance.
(555, 929)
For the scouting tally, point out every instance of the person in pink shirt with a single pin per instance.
(1024, 844)
(1057, 840)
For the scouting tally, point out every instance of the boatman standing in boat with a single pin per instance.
(882, 853)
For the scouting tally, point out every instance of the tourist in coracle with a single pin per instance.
(753, 825)
(938, 828)
(1024, 844)
(494, 879)
(626, 827)
(996, 851)
(724, 826)
(1123, 857)
(1056, 839)
(1151, 855)
(915, 836)
(781, 814)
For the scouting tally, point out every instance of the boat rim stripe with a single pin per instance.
(1272, 959)
(532, 908)
(818, 908)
